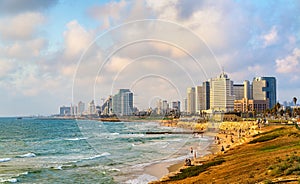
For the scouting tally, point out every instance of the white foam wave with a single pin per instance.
(5, 159)
(27, 155)
(59, 167)
(76, 139)
(92, 157)
(98, 156)
(145, 178)
(114, 169)
(10, 180)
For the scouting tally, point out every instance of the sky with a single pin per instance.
(58, 52)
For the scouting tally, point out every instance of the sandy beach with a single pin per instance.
(228, 136)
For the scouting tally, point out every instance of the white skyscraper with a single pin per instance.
(191, 100)
(247, 90)
(221, 94)
(199, 96)
(81, 108)
(165, 106)
(159, 106)
(126, 103)
(91, 108)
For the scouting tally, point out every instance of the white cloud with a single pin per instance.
(6, 67)
(290, 63)
(164, 9)
(76, 39)
(116, 64)
(25, 50)
(256, 70)
(271, 37)
(21, 27)
(111, 11)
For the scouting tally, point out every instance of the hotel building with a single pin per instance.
(221, 94)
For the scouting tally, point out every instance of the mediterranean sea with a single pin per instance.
(86, 151)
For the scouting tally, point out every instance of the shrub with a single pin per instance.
(195, 170)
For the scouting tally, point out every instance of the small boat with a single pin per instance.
(19, 118)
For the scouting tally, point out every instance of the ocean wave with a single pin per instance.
(27, 155)
(114, 169)
(145, 178)
(76, 139)
(98, 156)
(5, 159)
(92, 157)
(10, 180)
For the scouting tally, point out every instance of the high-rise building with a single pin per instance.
(202, 97)
(247, 90)
(122, 102)
(264, 88)
(127, 103)
(176, 105)
(238, 91)
(221, 94)
(165, 106)
(81, 108)
(191, 100)
(206, 95)
(107, 106)
(185, 105)
(73, 110)
(65, 111)
(198, 99)
(91, 108)
(159, 107)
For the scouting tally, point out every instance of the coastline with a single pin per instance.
(230, 135)
(270, 156)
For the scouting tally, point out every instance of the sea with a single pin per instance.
(34, 150)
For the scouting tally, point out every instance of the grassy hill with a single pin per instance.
(270, 157)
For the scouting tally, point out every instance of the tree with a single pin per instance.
(295, 109)
(295, 101)
(277, 106)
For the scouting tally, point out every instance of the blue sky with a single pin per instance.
(42, 42)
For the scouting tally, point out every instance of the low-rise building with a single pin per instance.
(249, 105)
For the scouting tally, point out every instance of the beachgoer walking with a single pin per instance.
(222, 149)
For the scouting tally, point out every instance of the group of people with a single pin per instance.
(188, 161)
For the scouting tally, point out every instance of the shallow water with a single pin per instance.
(69, 151)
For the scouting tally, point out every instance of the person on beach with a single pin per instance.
(195, 155)
(192, 150)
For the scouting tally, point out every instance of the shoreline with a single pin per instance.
(230, 135)
(163, 169)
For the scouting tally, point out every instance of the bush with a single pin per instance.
(264, 138)
(195, 170)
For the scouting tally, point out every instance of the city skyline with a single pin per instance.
(219, 94)
(43, 42)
